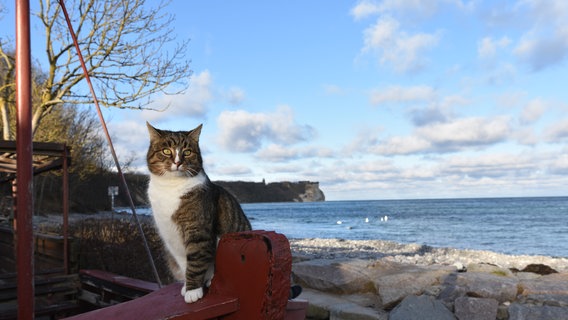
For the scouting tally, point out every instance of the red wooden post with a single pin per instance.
(23, 222)
(254, 266)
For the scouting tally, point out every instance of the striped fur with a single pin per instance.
(190, 211)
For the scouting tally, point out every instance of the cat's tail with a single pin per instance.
(295, 291)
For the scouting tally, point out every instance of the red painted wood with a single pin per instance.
(166, 303)
(252, 281)
(122, 280)
(296, 309)
(255, 266)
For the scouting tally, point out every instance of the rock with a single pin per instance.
(480, 285)
(489, 268)
(554, 282)
(407, 280)
(420, 308)
(347, 276)
(531, 312)
(549, 290)
(329, 306)
(539, 268)
(467, 308)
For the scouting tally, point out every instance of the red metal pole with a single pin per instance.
(24, 173)
(65, 210)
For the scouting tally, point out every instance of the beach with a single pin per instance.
(378, 279)
(413, 254)
(374, 279)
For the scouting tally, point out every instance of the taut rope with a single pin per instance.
(109, 140)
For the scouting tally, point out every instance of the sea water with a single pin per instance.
(533, 226)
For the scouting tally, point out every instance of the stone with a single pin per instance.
(408, 280)
(549, 290)
(532, 312)
(489, 268)
(467, 308)
(480, 285)
(421, 307)
(539, 268)
(333, 276)
(330, 306)
(557, 282)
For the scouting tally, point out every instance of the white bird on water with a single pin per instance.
(385, 218)
(367, 220)
(339, 222)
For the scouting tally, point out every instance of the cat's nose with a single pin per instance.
(178, 164)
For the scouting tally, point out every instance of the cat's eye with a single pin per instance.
(186, 153)
(167, 152)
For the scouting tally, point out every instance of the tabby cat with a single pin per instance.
(191, 212)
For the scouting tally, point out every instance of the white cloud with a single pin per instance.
(234, 170)
(398, 94)
(533, 111)
(193, 103)
(546, 42)
(280, 153)
(495, 165)
(487, 47)
(474, 131)
(242, 131)
(402, 145)
(397, 48)
(235, 95)
(452, 136)
(364, 9)
(332, 89)
(557, 132)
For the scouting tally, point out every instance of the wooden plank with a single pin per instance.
(166, 303)
(136, 284)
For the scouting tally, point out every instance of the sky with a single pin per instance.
(393, 99)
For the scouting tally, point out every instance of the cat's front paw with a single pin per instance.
(191, 296)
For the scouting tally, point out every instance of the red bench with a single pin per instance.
(252, 281)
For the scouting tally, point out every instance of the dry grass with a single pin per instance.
(115, 245)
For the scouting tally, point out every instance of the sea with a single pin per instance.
(518, 226)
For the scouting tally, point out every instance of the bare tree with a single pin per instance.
(124, 44)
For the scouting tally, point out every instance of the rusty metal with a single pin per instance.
(111, 145)
(24, 206)
(65, 209)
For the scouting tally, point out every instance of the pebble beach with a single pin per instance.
(413, 254)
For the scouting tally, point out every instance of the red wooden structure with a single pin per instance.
(252, 281)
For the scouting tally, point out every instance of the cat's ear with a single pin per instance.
(194, 134)
(154, 133)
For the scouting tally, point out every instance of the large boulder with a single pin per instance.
(467, 308)
(334, 276)
(481, 285)
(393, 284)
(421, 307)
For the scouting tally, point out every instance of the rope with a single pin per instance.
(109, 140)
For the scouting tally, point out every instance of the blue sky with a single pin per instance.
(385, 99)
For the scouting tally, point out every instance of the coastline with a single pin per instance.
(415, 254)
(334, 248)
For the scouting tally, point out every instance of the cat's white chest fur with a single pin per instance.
(164, 193)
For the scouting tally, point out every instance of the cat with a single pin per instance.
(191, 213)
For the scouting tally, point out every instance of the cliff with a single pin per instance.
(248, 192)
(91, 193)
